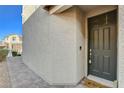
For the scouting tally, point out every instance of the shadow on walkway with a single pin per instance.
(23, 77)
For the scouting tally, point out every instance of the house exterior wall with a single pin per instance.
(80, 42)
(28, 10)
(120, 46)
(63, 46)
(55, 40)
(36, 44)
(17, 47)
(50, 46)
(14, 43)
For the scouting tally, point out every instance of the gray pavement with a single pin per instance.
(15, 74)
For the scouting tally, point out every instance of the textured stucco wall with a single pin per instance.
(63, 46)
(28, 10)
(80, 42)
(36, 44)
(49, 46)
(120, 46)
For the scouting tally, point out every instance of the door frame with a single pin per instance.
(114, 65)
(87, 32)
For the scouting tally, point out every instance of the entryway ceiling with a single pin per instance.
(87, 8)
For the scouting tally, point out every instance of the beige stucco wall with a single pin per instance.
(120, 46)
(36, 44)
(80, 42)
(51, 46)
(28, 10)
(63, 45)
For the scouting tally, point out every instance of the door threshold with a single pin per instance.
(103, 81)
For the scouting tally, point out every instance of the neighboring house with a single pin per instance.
(2, 45)
(65, 43)
(13, 43)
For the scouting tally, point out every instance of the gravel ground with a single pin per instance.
(4, 76)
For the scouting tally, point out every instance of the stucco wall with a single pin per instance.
(63, 46)
(120, 46)
(36, 44)
(50, 46)
(80, 42)
(28, 10)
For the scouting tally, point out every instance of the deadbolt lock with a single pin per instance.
(90, 62)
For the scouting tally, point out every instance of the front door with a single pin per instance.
(102, 51)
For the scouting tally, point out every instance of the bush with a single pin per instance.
(14, 53)
(2, 47)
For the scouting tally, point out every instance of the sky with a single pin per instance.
(10, 20)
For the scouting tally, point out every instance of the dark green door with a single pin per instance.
(102, 51)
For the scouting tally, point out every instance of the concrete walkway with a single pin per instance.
(22, 77)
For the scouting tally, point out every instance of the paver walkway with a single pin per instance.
(22, 76)
(4, 76)
(14, 73)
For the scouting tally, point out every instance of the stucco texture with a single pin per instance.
(51, 46)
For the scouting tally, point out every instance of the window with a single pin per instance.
(14, 38)
(20, 38)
